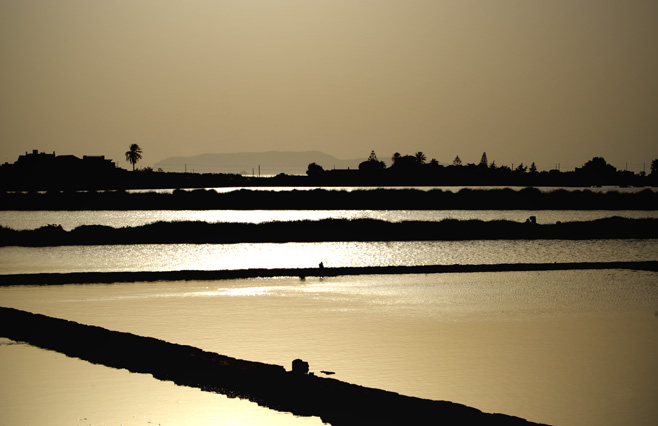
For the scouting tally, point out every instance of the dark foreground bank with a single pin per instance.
(335, 402)
(193, 275)
(321, 199)
(329, 230)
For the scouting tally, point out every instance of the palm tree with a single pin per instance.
(420, 157)
(134, 154)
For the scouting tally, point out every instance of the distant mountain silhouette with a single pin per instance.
(247, 163)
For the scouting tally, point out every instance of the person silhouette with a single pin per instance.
(321, 265)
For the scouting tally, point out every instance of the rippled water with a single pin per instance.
(172, 257)
(418, 188)
(560, 347)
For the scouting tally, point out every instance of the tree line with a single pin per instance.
(49, 172)
(415, 169)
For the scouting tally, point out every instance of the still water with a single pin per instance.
(560, 347)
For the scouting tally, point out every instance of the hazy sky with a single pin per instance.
(549, 81)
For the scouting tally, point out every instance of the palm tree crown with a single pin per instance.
(134, 154)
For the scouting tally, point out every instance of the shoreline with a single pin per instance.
(330, 230)
(297, 391)
(206, 275)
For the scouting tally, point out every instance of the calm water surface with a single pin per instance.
(561, 347)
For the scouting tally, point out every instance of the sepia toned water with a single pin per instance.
(558, 347)
(173, 257)
(454, 189)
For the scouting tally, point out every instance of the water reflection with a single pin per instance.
(46, 388)
(170, 257)
(562, 347)
(417, 188)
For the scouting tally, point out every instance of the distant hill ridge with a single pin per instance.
(248, 163)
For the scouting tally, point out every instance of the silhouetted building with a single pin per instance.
(40, 170)
(36, 160)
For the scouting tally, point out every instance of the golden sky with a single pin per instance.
(549, 81)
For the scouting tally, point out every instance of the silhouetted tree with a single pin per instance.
(533, 168)
(406, 163)
(483, 161)
(457, 161)
(596, 172)
(654, 167)
(372, 164)
(314, 169)
(521, 168)
(420, 157)
(598, 165)
(134, 154)
(396, 157)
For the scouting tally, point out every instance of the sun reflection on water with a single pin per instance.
(172, 257)
(244, 291)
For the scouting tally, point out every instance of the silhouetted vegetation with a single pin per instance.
(321, 199)
(43, 172)
(329, 230)
(415, 170)
(134, 154)
(371, 170)
(314, 170)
